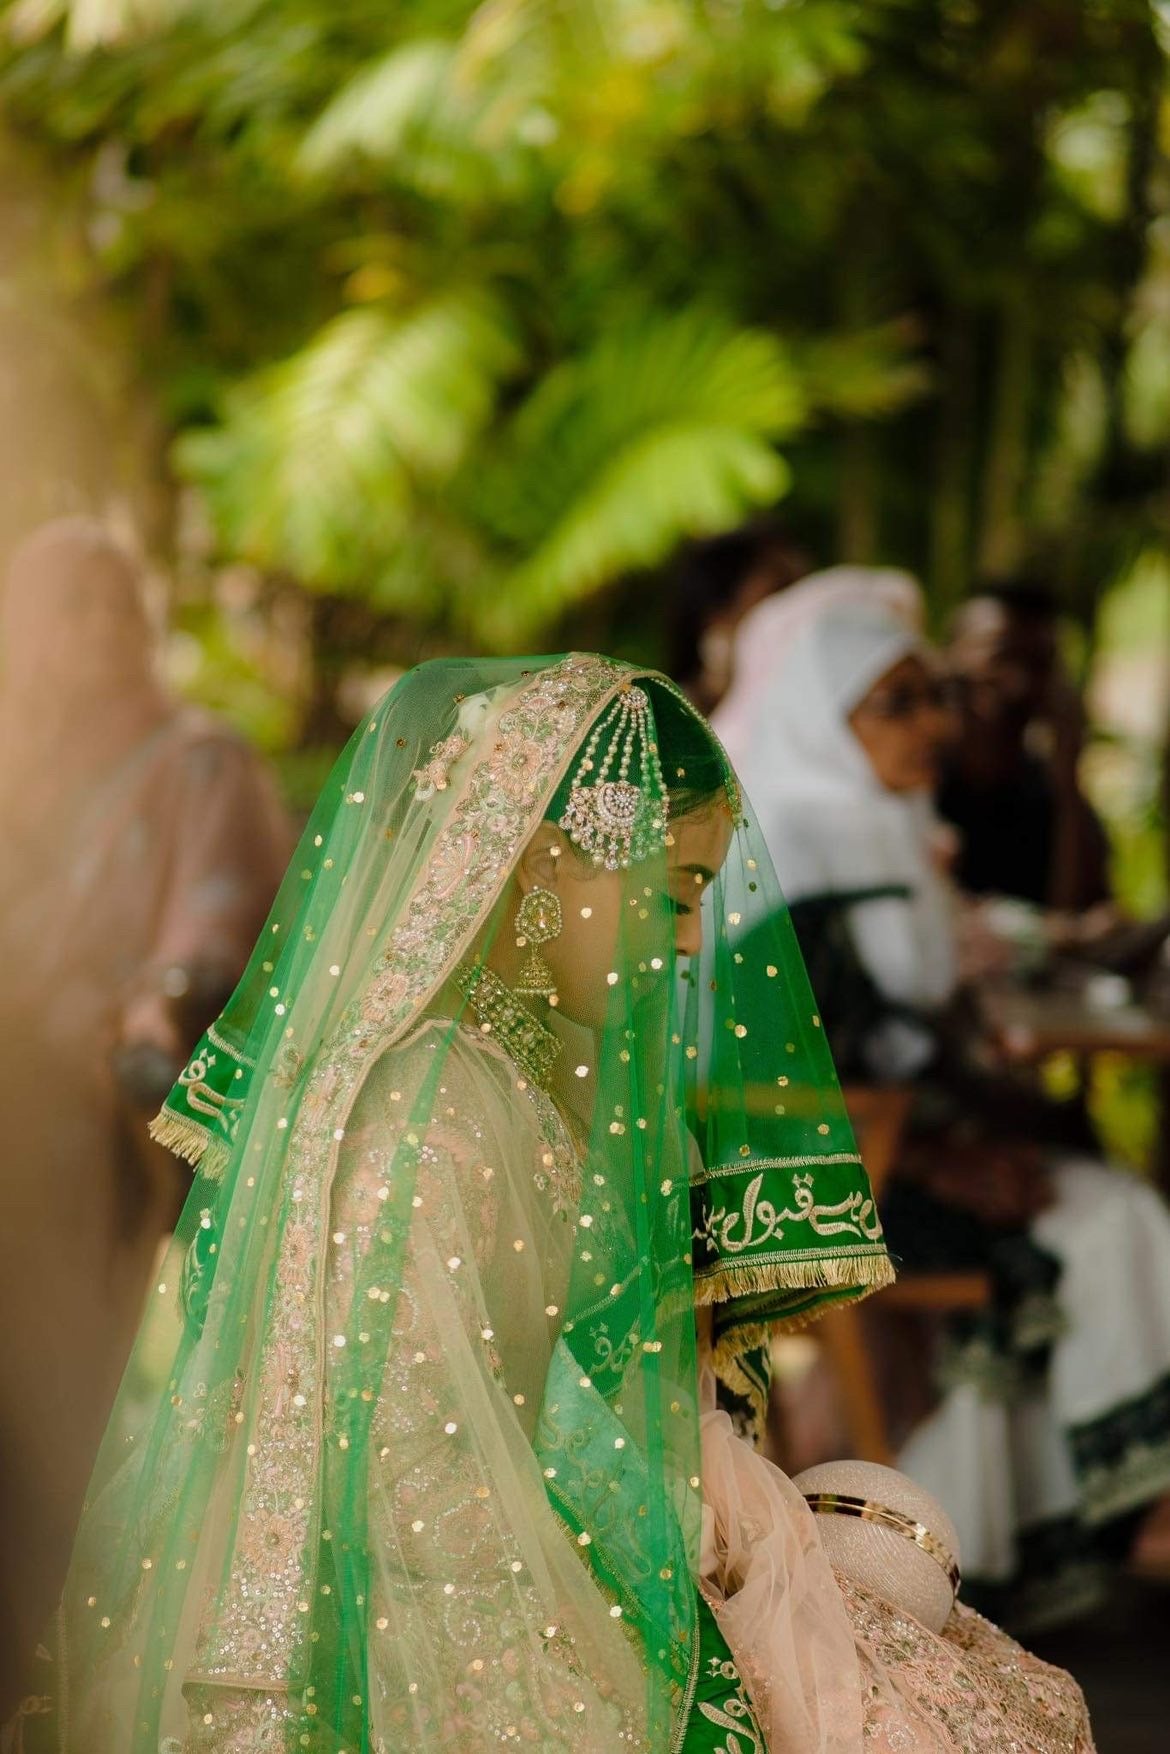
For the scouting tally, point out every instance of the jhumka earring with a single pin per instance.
(617, 819)
(539, 919)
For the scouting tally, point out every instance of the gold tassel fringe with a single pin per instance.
(727, 1367)
(857, 1278)
(864, 1272)
(190, 1142)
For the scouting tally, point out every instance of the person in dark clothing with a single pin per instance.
(1010, 785)
(717, 581)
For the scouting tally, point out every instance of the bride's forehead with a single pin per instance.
(700, 839)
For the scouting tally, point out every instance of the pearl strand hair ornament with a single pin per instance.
(615, 819)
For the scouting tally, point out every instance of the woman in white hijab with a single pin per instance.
(1048, 1437)
(804, 662)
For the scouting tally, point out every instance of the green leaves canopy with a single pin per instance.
(468, 311)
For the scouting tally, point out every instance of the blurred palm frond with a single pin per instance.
(314, 466)
(664, 430)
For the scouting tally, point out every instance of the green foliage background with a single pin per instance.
(468, 312)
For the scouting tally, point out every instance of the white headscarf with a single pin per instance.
(804, 661)
(773, 625)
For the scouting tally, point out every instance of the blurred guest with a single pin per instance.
(142, 845)
(776, 623)
(1010, 785)
(1053, 1425)
(717, 582)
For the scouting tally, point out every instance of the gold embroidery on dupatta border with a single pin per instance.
(747, 1164)
(254, 1628)
(758, 1221)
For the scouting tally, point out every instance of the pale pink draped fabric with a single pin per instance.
(776, 1599)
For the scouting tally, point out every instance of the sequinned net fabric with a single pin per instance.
(970, 1690)
(483, 1623)
(408, 1454)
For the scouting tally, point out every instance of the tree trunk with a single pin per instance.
(950, 506)
(858, 522)
(1001, 536)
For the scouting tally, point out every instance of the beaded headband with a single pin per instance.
(610, 816)
(870, 1511)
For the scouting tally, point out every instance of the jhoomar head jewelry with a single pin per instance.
(615, 820)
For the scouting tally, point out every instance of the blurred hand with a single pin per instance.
(943, 846)
(149, 1018)
(1079, 932)
(148, 1054)
(980, 951)
(145, 1075)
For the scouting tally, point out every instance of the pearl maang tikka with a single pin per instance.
(618, 820)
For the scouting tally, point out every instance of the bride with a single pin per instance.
(429, 1459)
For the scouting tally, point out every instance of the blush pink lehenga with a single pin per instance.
(832, 1669)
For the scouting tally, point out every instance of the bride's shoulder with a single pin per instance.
(442, 1056)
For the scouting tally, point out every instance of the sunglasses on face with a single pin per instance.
(909, 699)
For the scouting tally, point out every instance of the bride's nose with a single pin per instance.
(688, 934)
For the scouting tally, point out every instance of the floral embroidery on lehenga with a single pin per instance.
(446, 1587)
(452, 1592)
(973, 1690)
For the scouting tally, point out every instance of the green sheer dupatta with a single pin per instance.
(785, 1221)
(243, 1540)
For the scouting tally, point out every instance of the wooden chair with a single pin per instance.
(879, 1119)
